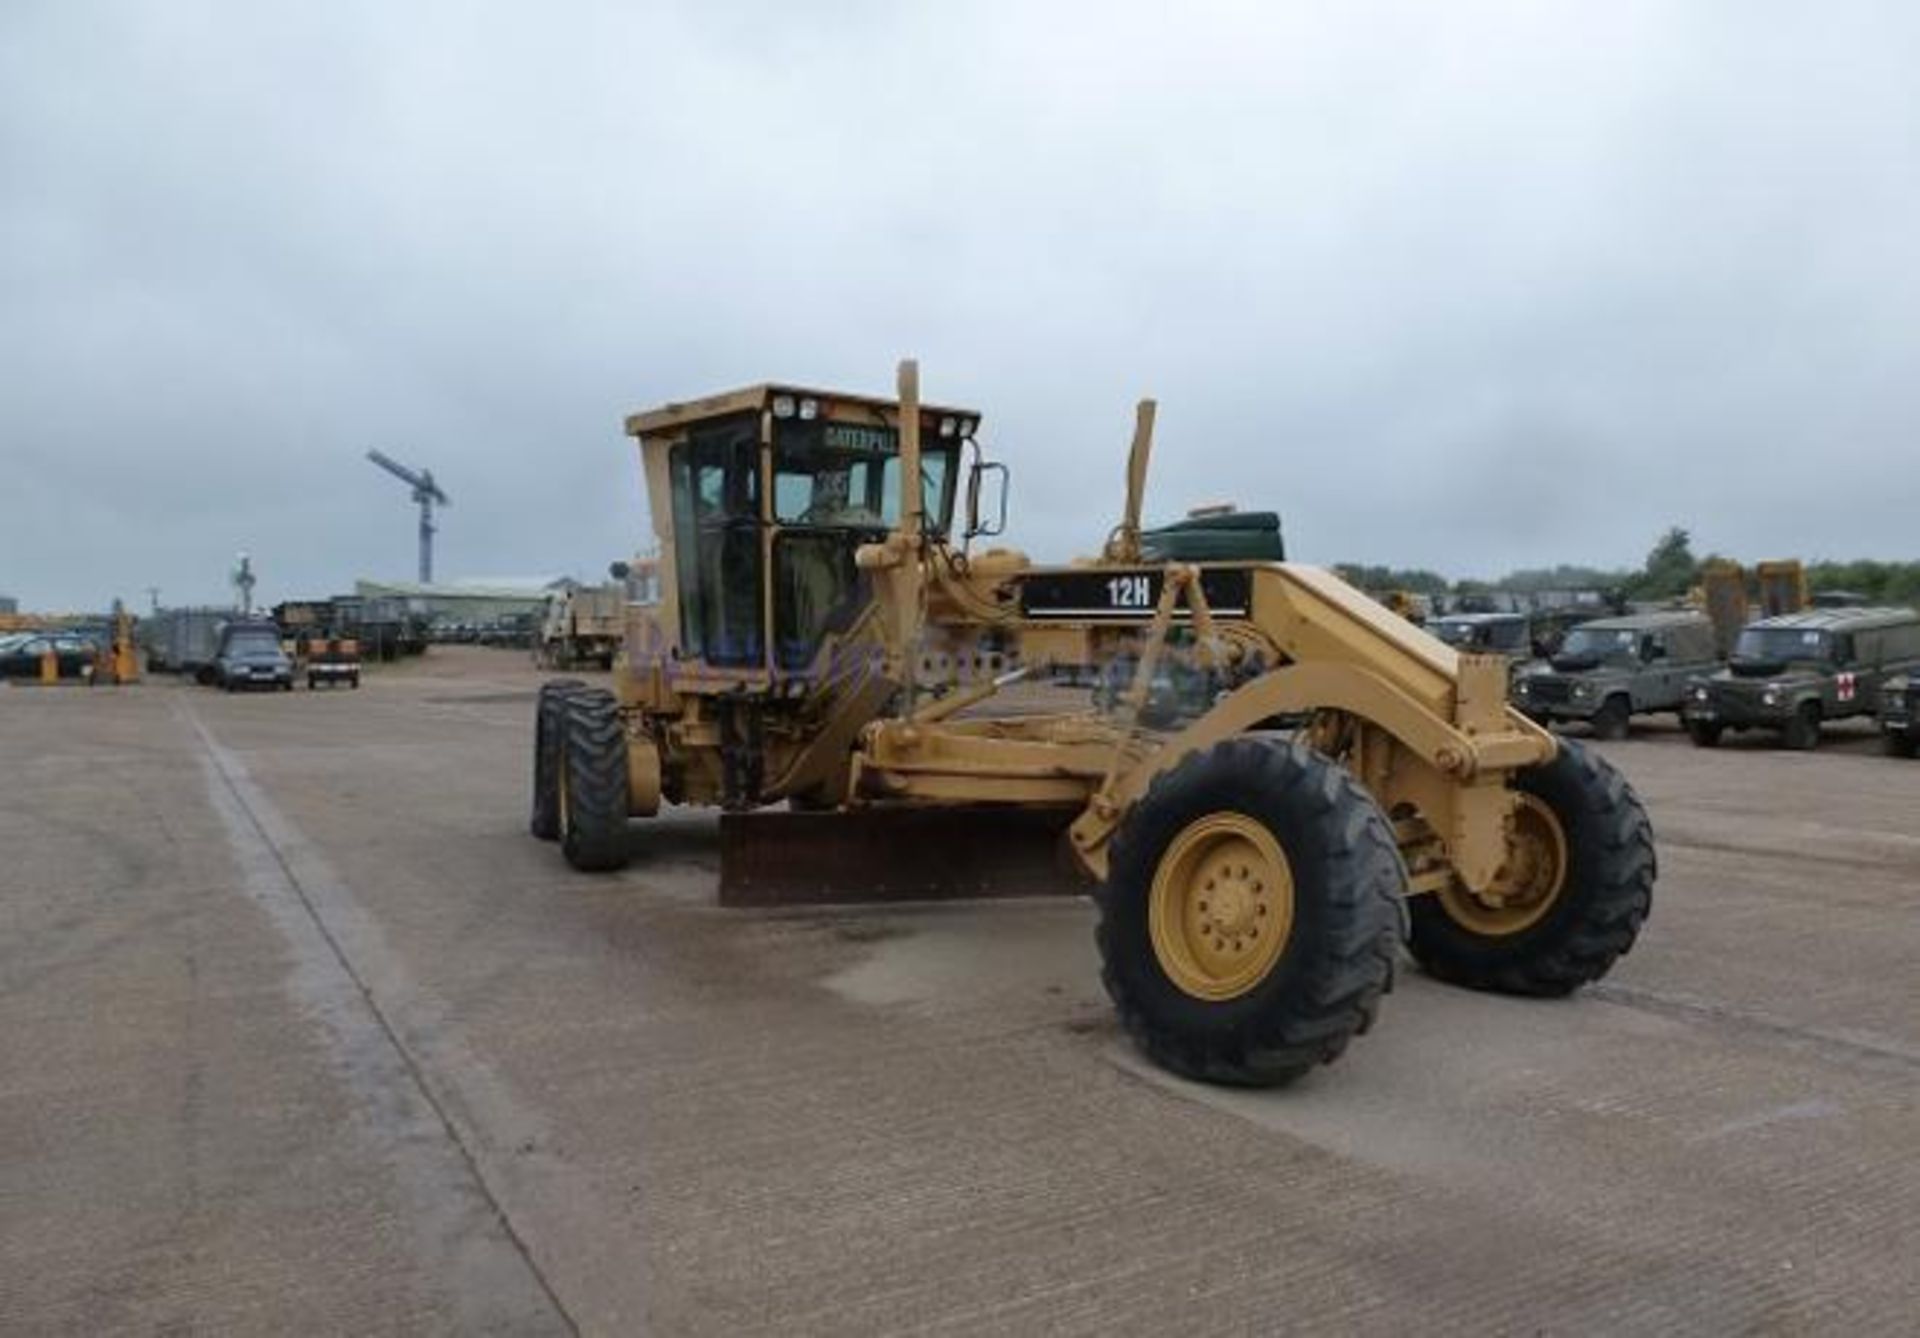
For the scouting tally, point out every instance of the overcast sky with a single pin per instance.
(1463, 285)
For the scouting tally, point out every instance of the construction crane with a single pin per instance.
(426, 492)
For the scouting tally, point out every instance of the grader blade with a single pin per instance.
(773, 858)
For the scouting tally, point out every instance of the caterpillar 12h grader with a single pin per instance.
(825, 638)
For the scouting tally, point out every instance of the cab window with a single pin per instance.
(847, 476)
(715, 481)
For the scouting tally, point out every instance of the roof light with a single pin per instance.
(809, 409)
(947, 425)
(783, 406)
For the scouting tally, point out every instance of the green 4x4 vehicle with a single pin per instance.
(1794, 672)
(1611, 669)
(1508, 634)
(1900, 714)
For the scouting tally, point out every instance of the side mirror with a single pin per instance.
(987, 483)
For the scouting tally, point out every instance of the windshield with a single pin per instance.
(848, 476)
(253, 643)
(1468, 634)
(1783, 643)
(1619, 643)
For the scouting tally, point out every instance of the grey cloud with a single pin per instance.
(1471, 286)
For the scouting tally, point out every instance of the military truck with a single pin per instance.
(1609, 670)
(1505, 634)
(1900, 714)
(585, 625)
(1794, 672)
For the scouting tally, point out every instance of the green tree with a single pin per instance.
(1671, 567)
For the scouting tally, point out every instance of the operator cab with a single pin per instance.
(769, 492)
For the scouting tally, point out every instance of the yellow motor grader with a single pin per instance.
(1338, 780)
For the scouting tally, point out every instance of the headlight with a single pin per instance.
(1771, 696)
(1582, 691)
(1700, 694)
(1522, 688)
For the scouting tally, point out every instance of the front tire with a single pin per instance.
(1614, 720)
(1704, 733)
(1248, 920)
(593, 781)
(1802, 733)
(1902, 745)
(1583, 884)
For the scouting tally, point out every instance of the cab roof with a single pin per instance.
(1851, 619)
(754, 399)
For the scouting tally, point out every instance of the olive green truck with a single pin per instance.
(1610, 670)
(1793, 673)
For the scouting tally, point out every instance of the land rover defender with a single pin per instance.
(1611, 669)
(1794, 672)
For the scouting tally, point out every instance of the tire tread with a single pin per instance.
(1341, 995)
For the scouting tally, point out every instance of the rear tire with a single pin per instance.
(548, 735)
(1802, 733)
(593, 781)
(1614, 720)
(1596, 913)
(1902, 745)
(1326, 966)
(1704, 733)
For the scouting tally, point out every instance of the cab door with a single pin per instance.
(1657, 685)
(715, 479)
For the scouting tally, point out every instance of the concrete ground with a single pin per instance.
(303, 1033)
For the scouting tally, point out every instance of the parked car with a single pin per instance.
(1508, 634)
(1796, 671)
(251, 656)
(21, 654)
(1609, 670)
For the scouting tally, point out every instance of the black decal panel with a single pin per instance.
(1107, 594)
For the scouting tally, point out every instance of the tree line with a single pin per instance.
(1670, 570)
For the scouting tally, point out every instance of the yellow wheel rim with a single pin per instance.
(1528, 884)
(1221, 908)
